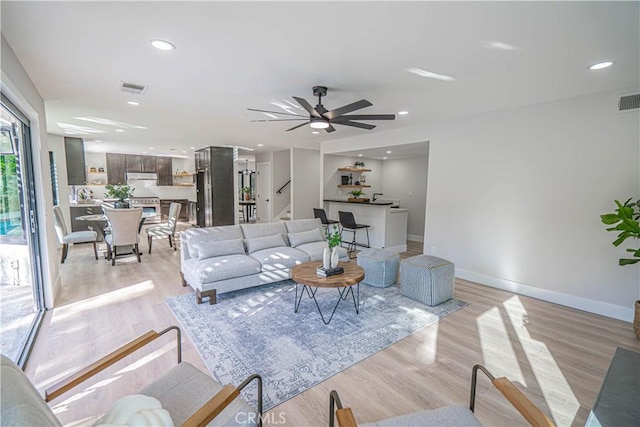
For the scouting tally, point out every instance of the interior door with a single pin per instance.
(263, 197)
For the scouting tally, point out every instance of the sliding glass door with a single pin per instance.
(21, 302)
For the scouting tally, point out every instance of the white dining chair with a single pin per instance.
(168, 229)
(124, 224)
(65, 238)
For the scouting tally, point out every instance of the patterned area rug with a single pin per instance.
(256, 331)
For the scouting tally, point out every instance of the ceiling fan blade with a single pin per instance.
(307, 106)
(299, 126)
(278, 120)
(273, 112)
(329, 129)
(354, 124)
(366, 117)
(363, 103)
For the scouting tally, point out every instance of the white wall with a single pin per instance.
(305, 192)
(19, 88)
(515, 197)
(281, 172)
(406, 179)
(265, 158)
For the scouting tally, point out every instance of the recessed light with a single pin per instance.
(384, 158)
(424, 73)
(192, 148)
(152, 148)
(260, 145)
(402, 113)
(184, 151)
(162, 44)
(315, 132)
(97, 140)
(133, 103)
(601, 65)
(498, 45)
(120, 130)
(389, 152)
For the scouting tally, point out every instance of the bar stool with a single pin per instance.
(320, 213)
(348, 223)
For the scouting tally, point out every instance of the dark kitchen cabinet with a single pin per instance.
(79, 225)
(164, 168)
(140, 163)
(116, 169)
(214, 186)
(74, 154)
(184, 210)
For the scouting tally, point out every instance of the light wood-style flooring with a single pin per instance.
(558, 356)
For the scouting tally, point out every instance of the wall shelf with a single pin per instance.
(354, 186)
(354, 170)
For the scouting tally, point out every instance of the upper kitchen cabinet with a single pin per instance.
(140, 163)
(116, 168)
(164, 169)
(74, 153)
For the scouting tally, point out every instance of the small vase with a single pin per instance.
(326, 258)
(636, 320)
(334, 257)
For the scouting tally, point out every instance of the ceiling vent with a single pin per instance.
(629, 102)
(133, 88)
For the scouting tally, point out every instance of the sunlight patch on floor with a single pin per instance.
(429, 348)
(114, 297)
(497, 352)
(559, 396)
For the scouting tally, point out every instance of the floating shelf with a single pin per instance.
(354, 170)
(354, 186)
(182, 174)
(184, 185)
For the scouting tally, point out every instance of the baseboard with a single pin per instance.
(597, 307)
(415, 238)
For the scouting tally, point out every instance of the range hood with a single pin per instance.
(141, 176)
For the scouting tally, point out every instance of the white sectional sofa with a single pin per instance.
(215, 260)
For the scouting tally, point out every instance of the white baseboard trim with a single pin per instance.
(415, 238)
(598, 307)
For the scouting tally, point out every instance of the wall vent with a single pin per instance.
(133, 88)
(629, 102)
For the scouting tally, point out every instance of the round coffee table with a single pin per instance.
(305, 275)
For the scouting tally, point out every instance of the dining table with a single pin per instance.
(248, 207)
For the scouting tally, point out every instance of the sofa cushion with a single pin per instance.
(209, 249)
(251, 231)
(279, 258)
(297, 239)
(265, 242)
(315, 250)
(210, 234)
(299, 225)
(222, 267)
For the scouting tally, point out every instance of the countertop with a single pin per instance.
(360, 203)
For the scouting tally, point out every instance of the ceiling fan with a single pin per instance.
(321, 118)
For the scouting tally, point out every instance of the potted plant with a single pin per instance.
(356, 196)
(247, 193)
(358, 165)
(333, 240)
(626, 220)
(119, 192)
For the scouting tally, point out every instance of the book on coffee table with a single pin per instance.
(329, 271)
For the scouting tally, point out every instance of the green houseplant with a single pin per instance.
(120, 192)
(357, 196)
(333, 239)
(247, 193)
(626, 221)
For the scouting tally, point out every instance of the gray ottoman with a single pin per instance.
(380, 267)
(428, 279)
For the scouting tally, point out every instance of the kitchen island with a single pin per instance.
(387, 225)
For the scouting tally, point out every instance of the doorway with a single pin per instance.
(263, 198)
(21, 297)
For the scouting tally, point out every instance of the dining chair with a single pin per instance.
(124, 224)
(348, 223)
(322, 216)
(65, 238)
(168, 229)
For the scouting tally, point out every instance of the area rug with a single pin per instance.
(256, 331)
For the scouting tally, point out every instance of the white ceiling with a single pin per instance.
(231, 56)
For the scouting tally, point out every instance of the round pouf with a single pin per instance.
(380, 267)
(428, 279)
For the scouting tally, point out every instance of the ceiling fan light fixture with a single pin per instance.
(318, 123)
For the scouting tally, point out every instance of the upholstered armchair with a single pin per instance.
(191, 397)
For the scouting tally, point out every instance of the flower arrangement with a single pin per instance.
(120, 192)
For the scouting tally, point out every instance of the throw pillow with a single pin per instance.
(209, 249)
(266, 242)
(136, 410)
(297, 239)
